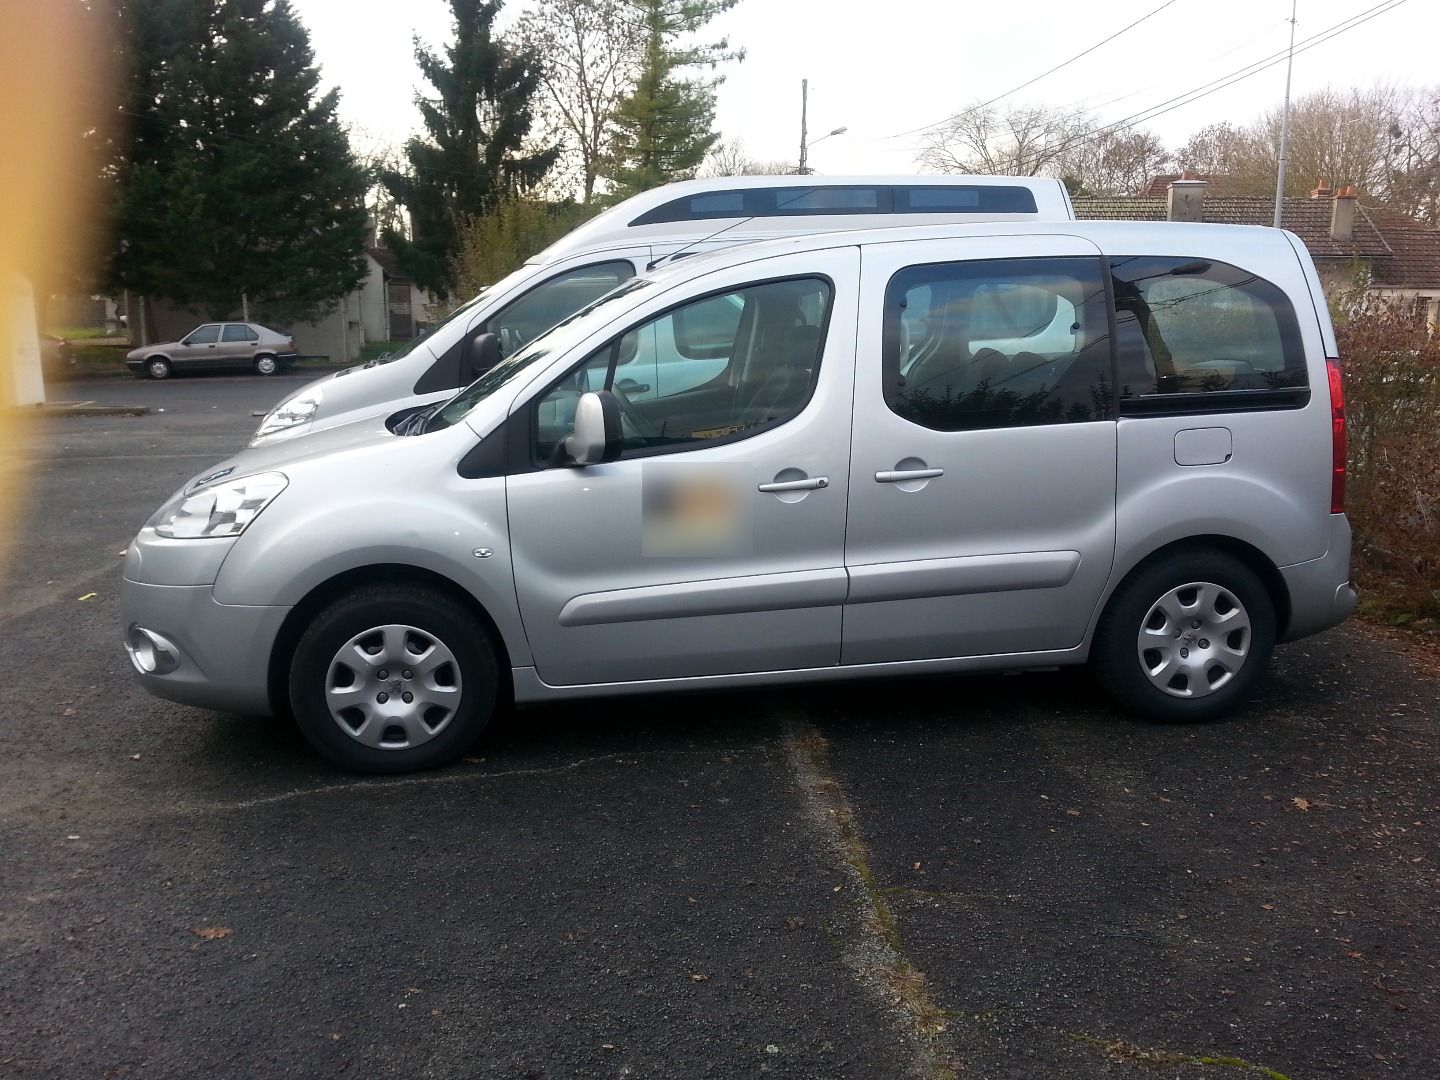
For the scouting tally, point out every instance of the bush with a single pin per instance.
(499, 242)
(1391, 360)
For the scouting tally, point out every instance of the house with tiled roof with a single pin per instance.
(1398, 255)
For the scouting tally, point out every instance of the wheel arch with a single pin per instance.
(1253, 558)
(326, 592)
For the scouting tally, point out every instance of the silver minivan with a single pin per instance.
(666, 222)
(906, 451)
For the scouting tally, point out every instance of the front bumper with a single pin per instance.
(216, 656)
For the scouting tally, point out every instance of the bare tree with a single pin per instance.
(591, 51)
(1237, 155)
(1342, 136)
(1415, 155)
(728, 157)
(1112, 162)
(1369, 138)
(1025, 140)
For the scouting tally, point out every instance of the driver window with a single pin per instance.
(558, 298)
(721, 367)
(204, 335)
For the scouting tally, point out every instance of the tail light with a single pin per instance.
(1338, 444)
(292, 346)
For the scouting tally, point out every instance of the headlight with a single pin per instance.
(293, 410)
(222, 510)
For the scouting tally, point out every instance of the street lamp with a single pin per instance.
(804, 169)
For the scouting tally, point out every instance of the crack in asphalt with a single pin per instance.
(876, 955)
(451, 777)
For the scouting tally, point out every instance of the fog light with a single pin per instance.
(151, 653)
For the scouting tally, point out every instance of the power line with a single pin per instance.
(1225, 81)
(1037, 78)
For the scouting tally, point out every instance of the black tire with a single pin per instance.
(1125, 670)
(265, 364)
(431, 613)
(157, 367)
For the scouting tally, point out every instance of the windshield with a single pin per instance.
(547, 344)
(455, 320)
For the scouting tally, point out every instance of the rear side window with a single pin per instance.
(238, 332)
(1195, 326)
(844, 199)
(953, 199)
(997, 343)
(555, 299)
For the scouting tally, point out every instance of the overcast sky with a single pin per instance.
(886, 68)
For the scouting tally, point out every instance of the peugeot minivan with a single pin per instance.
(667, 222)
(912, 451)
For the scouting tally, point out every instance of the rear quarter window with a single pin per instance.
(1197, 326)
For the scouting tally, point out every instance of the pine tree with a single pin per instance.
(473, 157)
(664, 127)
(236, 179)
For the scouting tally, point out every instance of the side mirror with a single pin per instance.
(482, 352)
(597, 436)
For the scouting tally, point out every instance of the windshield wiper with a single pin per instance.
(414, 424)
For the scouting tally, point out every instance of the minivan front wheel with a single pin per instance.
(1186, 638)
(390, 680)
(157, 367)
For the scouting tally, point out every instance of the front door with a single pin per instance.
(715, 545)
(198, 348)
(982, 486)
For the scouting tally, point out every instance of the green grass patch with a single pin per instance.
(94, 359)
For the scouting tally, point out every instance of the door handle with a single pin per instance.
(810, 483)
(897, 476)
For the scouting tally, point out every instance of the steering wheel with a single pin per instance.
(633, 423)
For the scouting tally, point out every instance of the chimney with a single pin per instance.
(1186, 201)
(1322, 189)
(1342, 214)
(371, 231)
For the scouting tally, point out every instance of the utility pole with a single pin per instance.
(1285, 122)
(804, 102)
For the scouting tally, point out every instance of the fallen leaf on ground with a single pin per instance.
(1299, 803)
(698, 977)
(89, 596)
(210, 933)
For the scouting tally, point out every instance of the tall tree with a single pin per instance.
(1022, 140)
(664, 126)
(1236, 157)
(235, 179)
(592, 52)
(1112, 162)
(474, 154)
(1415, 155)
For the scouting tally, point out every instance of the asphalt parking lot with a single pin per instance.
(985, 877)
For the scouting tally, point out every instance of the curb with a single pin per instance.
(77, 408)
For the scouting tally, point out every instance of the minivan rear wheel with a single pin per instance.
(1185, 638)
(390, 680)
(266, 365)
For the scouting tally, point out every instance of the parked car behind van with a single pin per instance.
(213, 347)
(915, 451)
(667, 222)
